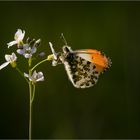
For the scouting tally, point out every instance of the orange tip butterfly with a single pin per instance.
(83, 67)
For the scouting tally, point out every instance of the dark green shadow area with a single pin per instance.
(110, 109)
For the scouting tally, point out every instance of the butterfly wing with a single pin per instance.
(84, 67)
(98, 58)
(81, 72)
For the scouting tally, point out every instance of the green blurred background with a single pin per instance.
(110, 109)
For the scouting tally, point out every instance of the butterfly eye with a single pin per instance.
(66, 49)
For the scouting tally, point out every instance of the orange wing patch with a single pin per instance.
(100, 60)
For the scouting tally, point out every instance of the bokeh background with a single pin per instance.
(110, 109)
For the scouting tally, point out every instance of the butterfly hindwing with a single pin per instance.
(82, 73)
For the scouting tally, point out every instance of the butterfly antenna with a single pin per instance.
(53, 51)
(65, 42)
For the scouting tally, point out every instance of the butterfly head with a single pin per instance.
(66, 49)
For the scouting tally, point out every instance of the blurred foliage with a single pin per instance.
(110, 109)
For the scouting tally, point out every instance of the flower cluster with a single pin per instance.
(36, 77)
(27, 50)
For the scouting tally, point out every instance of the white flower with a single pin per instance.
(53, 51)
(36, 77)
(10, 59)
(19, 35)
(27, 51)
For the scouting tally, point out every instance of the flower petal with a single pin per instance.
(20, 51)
(53, 51)
(29, 77)
(26, 47)
(34, 74)
(40, 77)
(8, 57)
(33, 50)
(36, 77)
(4, 65)
(13, 57)
(26, 75)
(22, 36)
(27, 55)
(19, 35)
(12, 43)
(40, 74)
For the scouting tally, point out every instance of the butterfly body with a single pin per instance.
(83, 67)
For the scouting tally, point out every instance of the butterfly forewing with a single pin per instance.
(99, 59)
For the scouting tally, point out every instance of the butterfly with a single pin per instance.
(83, 67)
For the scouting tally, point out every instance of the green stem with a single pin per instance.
(39, 63)
(30, 111)
(30, 100)
(33, 95)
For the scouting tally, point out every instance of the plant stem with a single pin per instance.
(39, 63)
(33, 95)
(30, 111)
(30, 100)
